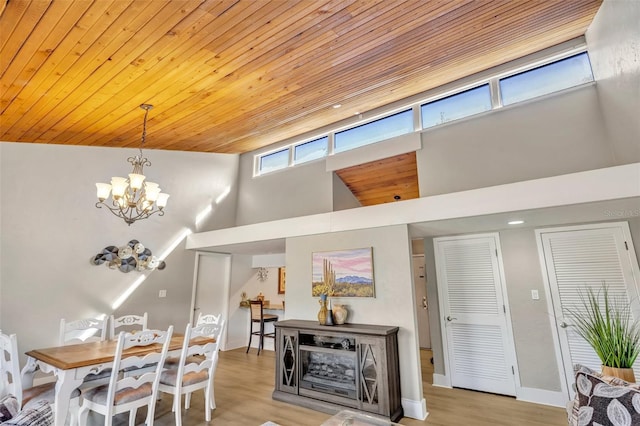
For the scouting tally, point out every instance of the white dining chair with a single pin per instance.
(172, 361)
(128, 393)
(130, 323)
(196, 369)
(127, 322)
(83, 330)
(11, 381)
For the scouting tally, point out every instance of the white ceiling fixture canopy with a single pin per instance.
(133, 198)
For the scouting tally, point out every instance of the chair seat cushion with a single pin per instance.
(45, 392)
(604, 400)
(174, 361)
(266, 318)
(104, 374)
(170, 377)
(98, 394)
(9, 407)
(39, 415)
(143, 368)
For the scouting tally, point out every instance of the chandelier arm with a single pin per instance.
(127, 214)
(145, 214)
(116, 211)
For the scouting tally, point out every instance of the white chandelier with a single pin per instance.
(133, 198)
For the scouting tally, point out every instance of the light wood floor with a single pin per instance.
(244, 383)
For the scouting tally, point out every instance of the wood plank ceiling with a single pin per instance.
(231, 76)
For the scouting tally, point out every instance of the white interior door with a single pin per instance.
(580, 257)
(211, 285)
(479, 351)
(422, 309)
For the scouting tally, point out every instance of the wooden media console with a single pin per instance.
(330, 368)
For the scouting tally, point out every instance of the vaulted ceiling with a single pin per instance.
(231, 76)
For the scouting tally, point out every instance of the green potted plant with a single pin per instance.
(606, 324)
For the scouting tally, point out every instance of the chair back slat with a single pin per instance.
(128, 322)
(10, 378)
(256, 310)
(83, 330)
(208, 319)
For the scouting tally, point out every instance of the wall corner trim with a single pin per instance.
(415, 409)
(441, 380)
(542, 396)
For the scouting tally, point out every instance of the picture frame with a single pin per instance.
(281, 280)
(343, 273)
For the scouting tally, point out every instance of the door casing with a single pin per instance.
(624, 226)
(510, 350)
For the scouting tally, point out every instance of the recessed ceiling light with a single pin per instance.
(337, 105)
(515, 222)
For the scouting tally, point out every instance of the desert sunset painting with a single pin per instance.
(343, 273)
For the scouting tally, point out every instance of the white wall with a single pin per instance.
(296, 191)
(393, 277)
(614, 48)
(560, 134)
(531, 320)
(343, 198)
(50, 230)
(238, 321)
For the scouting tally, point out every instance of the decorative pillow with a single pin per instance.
(9, 407)
(604, 400)
(40, 415)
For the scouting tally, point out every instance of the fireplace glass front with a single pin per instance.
(328, 365)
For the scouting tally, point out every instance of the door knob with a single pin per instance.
(564, 324)
(450, 318)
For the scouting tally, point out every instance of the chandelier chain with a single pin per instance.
(146, 108)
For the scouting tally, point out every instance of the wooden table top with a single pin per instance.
(84, 354)
(271, 306)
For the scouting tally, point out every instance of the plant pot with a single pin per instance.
(625, 374)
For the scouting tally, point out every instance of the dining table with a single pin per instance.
(72, 363)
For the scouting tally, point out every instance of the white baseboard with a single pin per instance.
(242, 343)
(415, 409)
(441, 380)
(544, 397)
(235, 344)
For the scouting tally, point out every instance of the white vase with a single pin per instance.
(339, 314)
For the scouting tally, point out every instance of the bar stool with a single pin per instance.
(259, 317)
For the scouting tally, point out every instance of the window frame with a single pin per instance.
(492, 79)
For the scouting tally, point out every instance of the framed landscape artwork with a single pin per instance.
(343, 273)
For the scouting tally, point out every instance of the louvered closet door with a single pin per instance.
(479, 350)
(577, 259)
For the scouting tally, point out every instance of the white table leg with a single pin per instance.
(28, 371)
(65, 386)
